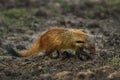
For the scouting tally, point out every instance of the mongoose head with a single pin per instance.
(85, 41)
(90, 45)
(87, 44)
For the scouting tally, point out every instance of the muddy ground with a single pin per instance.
(22, 21)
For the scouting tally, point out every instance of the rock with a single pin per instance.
(65, 75)
(105, 68)
(114, 76)
(85, 75)
(46, 76)
(40, 68)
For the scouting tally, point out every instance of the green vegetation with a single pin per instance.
(14, 17)
(16, 13)
(18, 18)
(68, 8)
(113, 1)
(114, 61)
(60, 1)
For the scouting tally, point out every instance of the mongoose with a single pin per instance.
(56, 39)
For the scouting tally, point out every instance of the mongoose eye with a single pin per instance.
(79, 41)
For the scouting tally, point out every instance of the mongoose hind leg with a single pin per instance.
(50, 54)
(55, 56)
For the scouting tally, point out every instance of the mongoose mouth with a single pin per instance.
(90, 50)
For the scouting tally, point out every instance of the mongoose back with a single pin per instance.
(56, 39)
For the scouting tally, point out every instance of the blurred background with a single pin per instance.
(46, 13)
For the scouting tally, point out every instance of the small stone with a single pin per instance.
(46, 76)
(65, 75)
(86, 75)
(114, 76)
(40, 68)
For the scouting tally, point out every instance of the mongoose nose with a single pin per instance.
(91, 44)
(91, 39)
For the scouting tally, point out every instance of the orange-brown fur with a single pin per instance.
(56, 39)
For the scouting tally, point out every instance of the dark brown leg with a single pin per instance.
(88, 56)
(82, 55)
(65, 55)
(49, 53)
(78, 54)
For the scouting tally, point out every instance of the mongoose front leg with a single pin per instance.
(82, 55)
